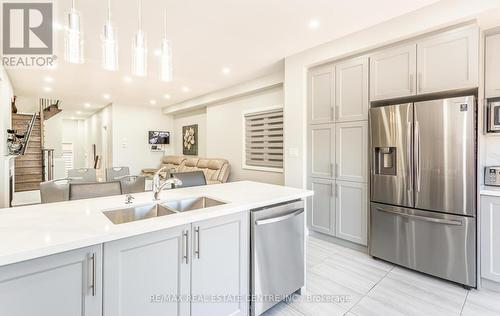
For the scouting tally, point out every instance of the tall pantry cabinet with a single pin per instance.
(338, 104)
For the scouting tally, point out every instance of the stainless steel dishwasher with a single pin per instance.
(277, 254)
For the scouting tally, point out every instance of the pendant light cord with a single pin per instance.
(165, 23)
(140, 15)
(109, 10)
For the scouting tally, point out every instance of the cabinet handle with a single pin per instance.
(331, 190)
(332, 115)
(92, 265)
(336, 190)
(411, 83)
(337, 111)
(332, 170)
(185, 248)
(197, 242)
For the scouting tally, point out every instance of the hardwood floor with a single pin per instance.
(342, 281)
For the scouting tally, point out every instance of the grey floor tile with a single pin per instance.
(404, 292)
(482, 303)
(282, 309)
(318, 305)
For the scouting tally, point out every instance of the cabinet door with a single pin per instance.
(351, 211)
(448, 61)
(320, 96)
(351, 151)
(321, 155)
(321, 206)
(58, 285)
(490, 238)
(492, 69)
(351, 90)
(393, 73)
(220, 266)
(145, 274)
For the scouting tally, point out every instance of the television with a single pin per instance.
(159, 138)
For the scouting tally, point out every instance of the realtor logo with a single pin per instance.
(27, 29)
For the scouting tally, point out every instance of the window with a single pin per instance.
(264, 139)
(67, 156)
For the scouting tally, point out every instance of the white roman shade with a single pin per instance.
(264, 139)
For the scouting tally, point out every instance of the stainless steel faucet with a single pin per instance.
(158, 185)
(129, 198)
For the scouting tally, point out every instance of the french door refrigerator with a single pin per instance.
(423, 187)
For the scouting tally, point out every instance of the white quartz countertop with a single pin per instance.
(39, 230)
(492, 191)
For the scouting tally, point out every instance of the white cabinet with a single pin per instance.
(156, 273)
(351, 90)
(321, 206)
(393, 73)
(351, 211)
(351, 151)
(490, 238)
(448, 61)
(321, 95)
(321, 143)
(144, 274)
(220, 265)
(492, 68)
(58, 285)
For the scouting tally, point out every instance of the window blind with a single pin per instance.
(67, 156)
(264, 139)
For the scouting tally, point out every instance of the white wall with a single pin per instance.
(198, 116)
(225, 132)
(54, 134)
(74, 133)
(131, 125)
(6, 94)
(441, 14)
(98, 130)
(219, 116)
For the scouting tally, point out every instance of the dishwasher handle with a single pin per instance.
(279, 218)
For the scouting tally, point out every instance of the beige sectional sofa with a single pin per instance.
(215, 170)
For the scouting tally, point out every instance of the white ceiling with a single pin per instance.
(251, 37)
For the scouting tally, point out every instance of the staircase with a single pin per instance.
(28, 167)
(51, 110)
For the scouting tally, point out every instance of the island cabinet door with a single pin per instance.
(220, 267)
(148, 274)
(58, 285)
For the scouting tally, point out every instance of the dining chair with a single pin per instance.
(114, 173)
(55, 190)
(79, 191)
(82, 175)
(132, 184)
(190, 178)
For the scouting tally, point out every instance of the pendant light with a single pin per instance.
(166, 56)
(109, 44)
(139, 49)
(73, 52)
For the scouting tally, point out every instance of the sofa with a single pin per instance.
(215, 170)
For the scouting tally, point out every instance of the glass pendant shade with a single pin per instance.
(166, 60)
(109, 47)
(73, 52)
(139, 55)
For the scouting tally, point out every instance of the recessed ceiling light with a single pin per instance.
(48, 79)
(47, 89)
(87, 105)
(73, 118)
(185, 89)
(167, 96)
(127, 79)
(78, 112)
(313, 24)
(152, 102)
(106, 96)
(157, 52)
(226, 70)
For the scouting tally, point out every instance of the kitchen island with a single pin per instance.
(69, 259)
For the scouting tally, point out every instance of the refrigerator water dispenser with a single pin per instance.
(385, 161)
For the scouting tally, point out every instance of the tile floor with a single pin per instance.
(352, 283)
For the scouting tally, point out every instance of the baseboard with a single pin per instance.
(490, 285)
(338, 241)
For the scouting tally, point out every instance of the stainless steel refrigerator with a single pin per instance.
(423, 187)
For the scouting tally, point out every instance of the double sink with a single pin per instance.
(151, 210)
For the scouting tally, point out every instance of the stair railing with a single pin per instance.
(27, 135)
(48, 164)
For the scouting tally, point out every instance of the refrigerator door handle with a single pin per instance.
(423, 218)
(417, 149)
(409, 153)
